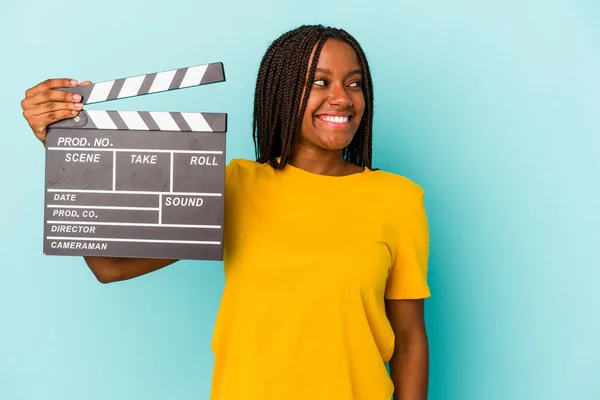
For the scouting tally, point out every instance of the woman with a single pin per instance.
(325, 257)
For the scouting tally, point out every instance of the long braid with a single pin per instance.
(295, 69)
(361, 154)
(279, 103)
(303, 100)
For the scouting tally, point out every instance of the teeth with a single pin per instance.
(337, 120)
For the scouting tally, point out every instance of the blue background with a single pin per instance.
(492, 107)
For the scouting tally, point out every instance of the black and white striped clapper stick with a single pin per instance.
(151, 83)
(137, 183)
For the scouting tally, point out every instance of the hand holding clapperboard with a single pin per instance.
(137, 183)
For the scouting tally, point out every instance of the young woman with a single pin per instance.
(325, 257)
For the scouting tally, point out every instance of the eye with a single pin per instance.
(320, 82)
(357, 84)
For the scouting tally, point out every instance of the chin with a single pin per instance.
(336, 142)
(334, 145)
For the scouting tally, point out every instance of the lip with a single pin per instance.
(335, 114)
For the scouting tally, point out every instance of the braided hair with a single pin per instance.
(280, 86)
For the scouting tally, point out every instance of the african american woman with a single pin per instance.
(325, 256)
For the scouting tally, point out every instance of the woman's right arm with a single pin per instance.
(112, 269)
(43, 105)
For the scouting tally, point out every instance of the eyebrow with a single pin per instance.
(328, 72)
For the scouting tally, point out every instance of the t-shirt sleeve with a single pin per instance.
(408, 275)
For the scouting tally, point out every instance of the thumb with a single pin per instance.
(85, 83)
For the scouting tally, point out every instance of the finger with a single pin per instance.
(49, 96)
(40, 122)
(51, 106)
(85, 83)
(49, 84)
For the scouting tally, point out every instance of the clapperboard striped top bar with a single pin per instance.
(156, 121)
(146, 121)
(151, 83)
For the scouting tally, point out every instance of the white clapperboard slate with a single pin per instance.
(135, 183)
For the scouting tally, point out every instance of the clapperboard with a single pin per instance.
(137, 183)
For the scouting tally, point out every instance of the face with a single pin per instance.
(336, 103)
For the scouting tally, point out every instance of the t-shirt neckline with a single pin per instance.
(293, 171)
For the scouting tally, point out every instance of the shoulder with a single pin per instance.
(241, 164)
(403, 202)
(242, 168)
(397, 187)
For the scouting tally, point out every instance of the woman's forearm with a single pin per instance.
(109, 269)
(409, 366)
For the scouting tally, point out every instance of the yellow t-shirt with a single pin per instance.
(309, 260)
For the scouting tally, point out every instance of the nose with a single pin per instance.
(339, 97)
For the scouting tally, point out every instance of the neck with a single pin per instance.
(322, 163)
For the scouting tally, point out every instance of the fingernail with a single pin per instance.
(76, 97)
(74, 112)
(73, 82)
(78, 105)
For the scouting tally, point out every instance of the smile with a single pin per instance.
(334, 119)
